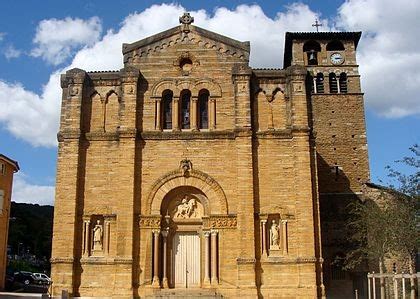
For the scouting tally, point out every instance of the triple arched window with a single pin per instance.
(335, 84)
(185, 112)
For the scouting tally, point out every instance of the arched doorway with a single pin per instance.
(184, 208)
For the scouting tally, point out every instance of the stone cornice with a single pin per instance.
(289, 260)
(186, 135)
(61, 260)
(99, 260)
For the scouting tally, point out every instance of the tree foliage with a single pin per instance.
(387, 226)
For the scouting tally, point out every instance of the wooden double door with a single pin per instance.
(186, 260)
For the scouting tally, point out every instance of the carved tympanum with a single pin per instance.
(186, 208)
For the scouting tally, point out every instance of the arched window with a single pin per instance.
(203, 109)
(311, 48)
(343, 83)
(335, 45)
(319, 83)
(310, 83)
(333, 83)
(185, 108)
(167, 109)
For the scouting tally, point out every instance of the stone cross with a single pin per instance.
(186, 19)
(317, 25)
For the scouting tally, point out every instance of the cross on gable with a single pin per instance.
(186, 19)
(317, 25)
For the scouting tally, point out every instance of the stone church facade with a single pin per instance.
(190, 170)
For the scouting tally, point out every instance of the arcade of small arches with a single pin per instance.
(337, 84)
(185, 105)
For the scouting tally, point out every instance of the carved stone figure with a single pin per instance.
(186, 209)
(274, 235)
(186, 166)
(97, 236)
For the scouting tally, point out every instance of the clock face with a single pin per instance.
(336, 58)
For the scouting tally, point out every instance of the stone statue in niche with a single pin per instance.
(97, 236)
(186, 208)
(274, 235)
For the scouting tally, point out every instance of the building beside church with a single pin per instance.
(8, 168)
(188, 170)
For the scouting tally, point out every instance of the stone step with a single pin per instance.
(185, 293)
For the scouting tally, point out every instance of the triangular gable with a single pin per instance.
(200, 36)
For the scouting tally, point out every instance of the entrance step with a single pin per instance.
(185, 293)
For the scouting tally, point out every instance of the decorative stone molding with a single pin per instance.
(62, 260)
(289, 260)
(185, 34)
(99, 210)
(244, 261)
(222, 221)
(105, 261)
(193, 85)
(152, 222)
(197, 179)
(179, 135)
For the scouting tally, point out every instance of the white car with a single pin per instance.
(43, 277)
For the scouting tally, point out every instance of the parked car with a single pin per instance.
(43, 277)
(26, 278)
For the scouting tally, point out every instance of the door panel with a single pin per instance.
(186, 260)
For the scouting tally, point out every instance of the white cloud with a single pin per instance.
(56, 40)
(390, 70)
(11, 52)
(24, 192)
(388, 54)
(30, 116)
(2, 34)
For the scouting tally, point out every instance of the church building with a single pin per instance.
(189, 172)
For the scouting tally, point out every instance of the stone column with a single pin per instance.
(284, 236)
(165, 266)
(107, 236)
(86, 245)
(158, 114)
(263, 237)
(214, 279)
(212, 113)
(175, 114)
(155, 282)
(193, 112)
(206, 258)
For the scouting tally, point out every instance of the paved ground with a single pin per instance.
(7, 295)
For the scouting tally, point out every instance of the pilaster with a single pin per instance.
(68, 228)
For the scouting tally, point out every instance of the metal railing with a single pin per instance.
(393, 285)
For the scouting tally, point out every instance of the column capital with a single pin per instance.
(156, 231)
(264, 221)
(164, 233)
(214, 231)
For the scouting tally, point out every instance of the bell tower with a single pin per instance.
(337, 120)
(337, 113)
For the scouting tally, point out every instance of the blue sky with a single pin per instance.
(49, 37)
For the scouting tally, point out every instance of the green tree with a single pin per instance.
(387, 226)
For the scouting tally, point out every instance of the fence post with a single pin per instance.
(369, 293)
(413, 285)
(395, 282)
(403, 285)
(374, 285)
(356, 294)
